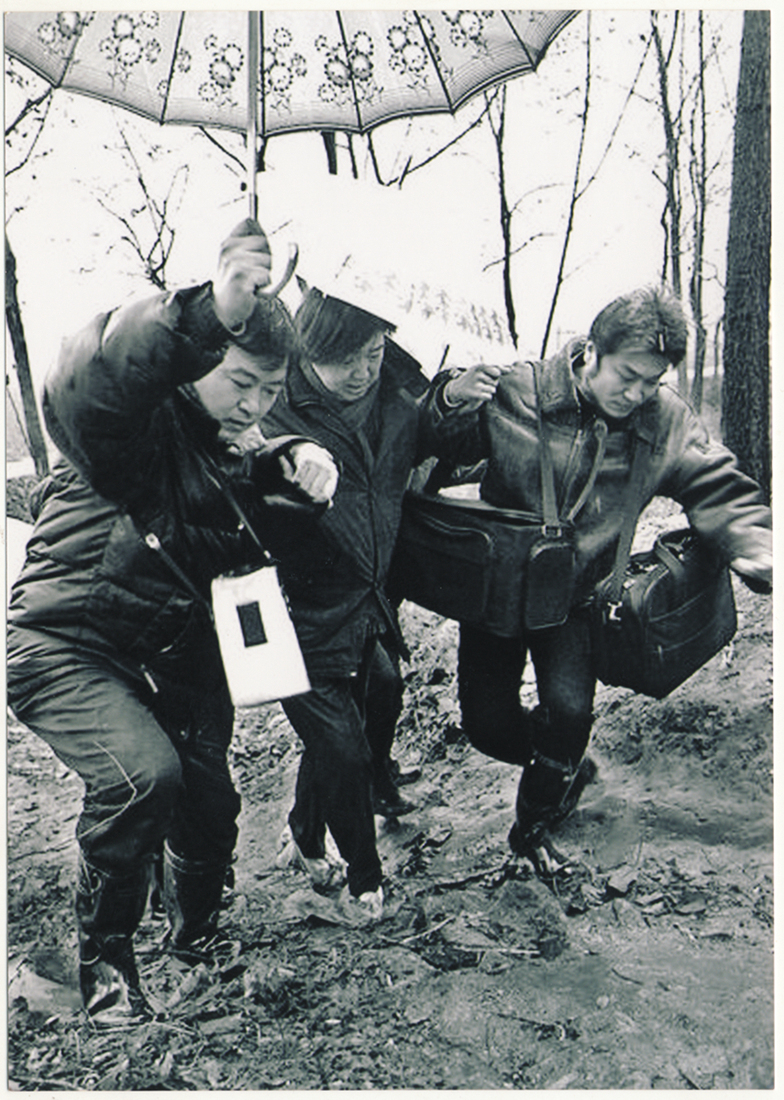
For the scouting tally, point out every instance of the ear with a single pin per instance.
(590, 359)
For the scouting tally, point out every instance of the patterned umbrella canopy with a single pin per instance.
(279, 71)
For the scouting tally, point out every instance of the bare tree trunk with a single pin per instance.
(13, 317)
(505, 215)
(671, 214)
(746, 385)
(698, 175)
(576, 193)
(328, 137)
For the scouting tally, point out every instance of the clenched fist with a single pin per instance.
(244, 268)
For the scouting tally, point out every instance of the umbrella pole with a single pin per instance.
(253, 100)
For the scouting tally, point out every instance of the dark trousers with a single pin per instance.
(337, 721)
(154, 766)
(490, 672)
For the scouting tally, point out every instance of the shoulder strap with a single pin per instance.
(600, 431)
(631, 512)
(549, 502)
(219, 479)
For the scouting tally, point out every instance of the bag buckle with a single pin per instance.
(614, 612)
(552, 530)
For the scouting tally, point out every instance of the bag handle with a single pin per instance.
(631, 513)
(668, 558)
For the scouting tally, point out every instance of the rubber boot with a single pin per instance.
(108, 911)
(549, 791)
(386, 798)
(192, 891)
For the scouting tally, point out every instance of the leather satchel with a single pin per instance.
(661, 614)
(500, 570)
(466, 560)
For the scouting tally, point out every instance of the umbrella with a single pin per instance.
(271, 72)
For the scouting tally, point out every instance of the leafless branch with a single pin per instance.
(575, 186)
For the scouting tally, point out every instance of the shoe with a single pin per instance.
(391, 805)
(384, 795)
(109, 908)
(323, 871)
(215, 947)
(586, 774)
(367, 908)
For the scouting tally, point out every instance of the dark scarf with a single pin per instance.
(354, 414)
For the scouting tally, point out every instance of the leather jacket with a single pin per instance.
(721, 502)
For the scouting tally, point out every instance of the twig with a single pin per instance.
(407, 940)
(625, 977)
(47, 1082)
(471, 878)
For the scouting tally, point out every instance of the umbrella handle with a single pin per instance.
(290, 268)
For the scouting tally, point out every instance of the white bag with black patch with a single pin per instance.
(259, 647)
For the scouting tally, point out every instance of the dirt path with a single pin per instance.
(649, 967)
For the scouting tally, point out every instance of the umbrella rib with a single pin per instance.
(523, 46)
(450, 105)
(350, 70)
(170, 78)
(262, 85)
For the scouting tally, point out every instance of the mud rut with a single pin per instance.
(649, 966)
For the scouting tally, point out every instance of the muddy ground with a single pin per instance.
(649, 966)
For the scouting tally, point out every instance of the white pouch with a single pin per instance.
(258, 643)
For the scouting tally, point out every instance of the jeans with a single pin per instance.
(154, 766)
(336, 722)
(490, 671)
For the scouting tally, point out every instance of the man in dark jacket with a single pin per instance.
(600, 391)
(112, 656)
(367, 402)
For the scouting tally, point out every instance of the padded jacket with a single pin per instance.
(335, 578)
(134, 440)
(721, 502)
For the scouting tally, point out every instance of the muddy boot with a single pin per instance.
(548, 792)
(385, 797)
(108, 911)
(192, 891)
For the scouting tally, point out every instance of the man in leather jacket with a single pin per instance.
(112, 656)
(603, 390)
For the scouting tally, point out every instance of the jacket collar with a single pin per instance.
(558, 389)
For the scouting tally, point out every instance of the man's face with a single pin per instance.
(240, 390)
(352, 377)
(619, 383)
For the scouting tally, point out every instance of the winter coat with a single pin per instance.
(335, 580)
(724, 505)
(135, 442)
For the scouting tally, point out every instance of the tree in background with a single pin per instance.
(21, 138)
(746, 385)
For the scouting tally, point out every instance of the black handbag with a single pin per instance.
(661, 614)
(497, 569)
(466, 560)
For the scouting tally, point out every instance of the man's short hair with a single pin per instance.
(650, 319)
(269, 330)
(330, 330)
